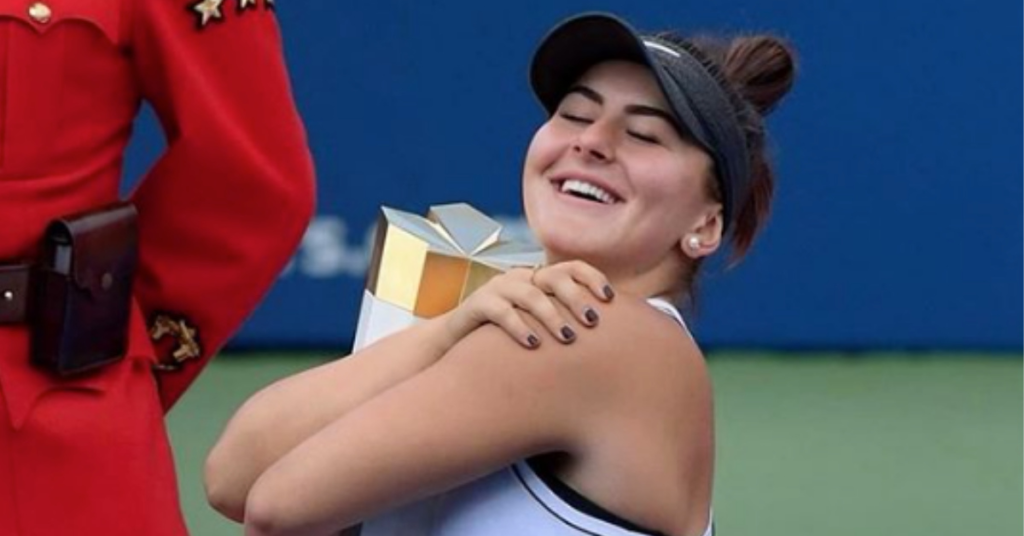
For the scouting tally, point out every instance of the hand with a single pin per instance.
(504, 299)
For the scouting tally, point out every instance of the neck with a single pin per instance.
(662, 279)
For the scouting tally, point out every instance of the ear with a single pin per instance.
(705, 236)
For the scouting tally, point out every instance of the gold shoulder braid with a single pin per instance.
(186, 337)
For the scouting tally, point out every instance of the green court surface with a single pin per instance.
(829, 445)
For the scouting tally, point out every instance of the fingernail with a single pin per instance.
(568, 334)
(591, 315)
(608, 292)
(532, 341)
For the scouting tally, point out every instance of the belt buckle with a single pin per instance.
(14, 292)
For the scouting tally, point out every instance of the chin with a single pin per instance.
(563, 246)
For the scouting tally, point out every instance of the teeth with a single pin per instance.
(587, 189)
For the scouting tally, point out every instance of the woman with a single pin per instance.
(652, 156)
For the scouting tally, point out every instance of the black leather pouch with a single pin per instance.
(82, 290)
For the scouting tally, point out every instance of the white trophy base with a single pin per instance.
(378, 319)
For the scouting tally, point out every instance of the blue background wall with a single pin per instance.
(898, 217)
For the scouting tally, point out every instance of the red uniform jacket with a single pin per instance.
(220, 213)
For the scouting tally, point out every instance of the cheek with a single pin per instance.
(664, 181)
(540, 155)
(673, 190)
(545, 149)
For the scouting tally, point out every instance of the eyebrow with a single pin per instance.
(633, 109)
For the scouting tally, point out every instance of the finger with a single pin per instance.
(518, 274)
(593, 279)
(503, 315)
(576, 298)
(575, 284)
(539, 305)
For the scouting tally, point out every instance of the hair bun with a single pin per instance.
(761, 68)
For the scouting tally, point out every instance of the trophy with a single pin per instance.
(424, 267)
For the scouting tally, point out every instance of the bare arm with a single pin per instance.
(281, 416)
(488, 403)
(467, 415)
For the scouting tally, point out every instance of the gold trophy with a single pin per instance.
(423, 267)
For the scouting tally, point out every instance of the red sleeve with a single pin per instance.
(225, 206)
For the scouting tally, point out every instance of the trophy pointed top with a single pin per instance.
(432, 234)
(472, 230)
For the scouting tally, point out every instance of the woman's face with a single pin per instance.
(608, 178)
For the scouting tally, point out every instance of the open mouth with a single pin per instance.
(587, 191)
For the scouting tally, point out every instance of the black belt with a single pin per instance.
(14, 293)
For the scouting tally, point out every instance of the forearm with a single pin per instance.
(283, 415)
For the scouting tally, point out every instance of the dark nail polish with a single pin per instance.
(568, 335)
(608, 292)
(590, 315)
(532, 341)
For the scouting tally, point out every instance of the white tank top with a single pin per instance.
(514, 501)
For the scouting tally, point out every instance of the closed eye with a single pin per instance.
(646, 138)
(572, 118)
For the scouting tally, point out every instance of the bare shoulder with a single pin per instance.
(634, 335)
(637, 322)
(635, 347)
(637, 342)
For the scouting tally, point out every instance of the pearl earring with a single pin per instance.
(693, 243)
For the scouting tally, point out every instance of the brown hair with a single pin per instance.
(756, 71)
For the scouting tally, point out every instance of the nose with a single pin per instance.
(596, 142)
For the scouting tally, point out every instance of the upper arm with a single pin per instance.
(227, 76)
(224, 207)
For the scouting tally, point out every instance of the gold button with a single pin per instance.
(40, 12)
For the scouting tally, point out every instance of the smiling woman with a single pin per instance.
(613, 133)
(652, 157)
